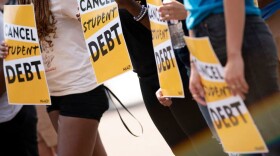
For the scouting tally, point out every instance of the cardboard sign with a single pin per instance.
(168, 72)
(24, 70)
(104, 38)
(231, 118)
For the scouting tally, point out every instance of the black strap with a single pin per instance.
(110, 97)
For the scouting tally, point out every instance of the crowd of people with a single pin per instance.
(240, 38)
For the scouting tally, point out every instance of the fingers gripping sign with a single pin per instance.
(3, 50)
(165, 101)
(195, 86)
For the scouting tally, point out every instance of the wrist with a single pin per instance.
(233, 55)
(233, 52)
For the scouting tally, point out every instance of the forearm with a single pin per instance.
(235, 19)
(134, 9)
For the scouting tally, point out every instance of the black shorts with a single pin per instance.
(89, 105)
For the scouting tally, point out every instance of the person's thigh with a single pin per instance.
(76, 136)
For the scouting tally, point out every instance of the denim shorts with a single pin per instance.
(89, 105)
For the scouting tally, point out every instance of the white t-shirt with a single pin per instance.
(67, 63)
(7, 112)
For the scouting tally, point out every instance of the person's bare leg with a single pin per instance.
(44, 150)
(54, 119)
(99, 149)
(76, 136)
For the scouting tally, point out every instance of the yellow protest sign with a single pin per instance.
(104, 39)
(23, 68)
(231, 118)
(168, 72)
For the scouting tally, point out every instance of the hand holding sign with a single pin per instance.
(168, 71)
(3, 50)
(229, 114)
(165, 101)
(23, 65)
(234, 76)
(196, 87)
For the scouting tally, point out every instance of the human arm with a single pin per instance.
(3, 54)
(2, 79)
(3, 50)
(195, 86)
(234, 69)
(173, 10)
(134, 9)
(165, 101)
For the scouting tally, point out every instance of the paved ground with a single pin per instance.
(117, 140)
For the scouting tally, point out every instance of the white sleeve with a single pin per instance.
(69, 8)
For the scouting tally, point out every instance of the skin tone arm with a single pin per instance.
(173, 10)
(134, 9)
(195, 86)
(165, 101)
(234, 69)
(3, 50)
(2, 79)
(3, 54)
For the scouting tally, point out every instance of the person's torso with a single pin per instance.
(200, 9)
(67, 62)
(7, 111)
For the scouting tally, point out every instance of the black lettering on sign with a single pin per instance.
(17, 73)
(98, 19)
(160, 34)
(19, 33)
(91, 4)
(22, 50)
(211, 72)
(97, 48)
(154, 13)
(217, 91)
(164, 59)
(126, 68)
(220, 114)
(44, 101)
(260, 148)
